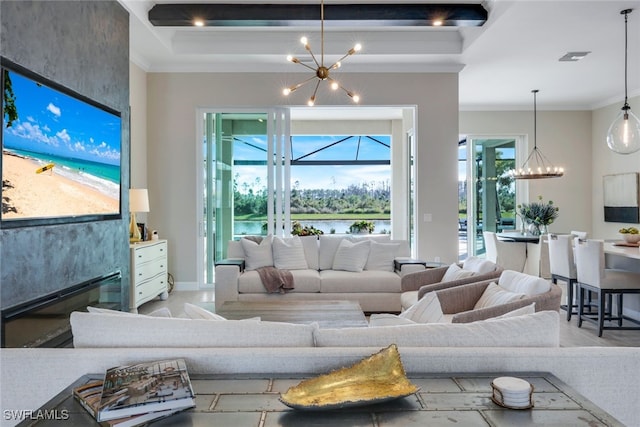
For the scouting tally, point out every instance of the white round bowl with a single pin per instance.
(631, 238)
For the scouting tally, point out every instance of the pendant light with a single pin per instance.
(537, 166)
(623, 136)
(320, 71)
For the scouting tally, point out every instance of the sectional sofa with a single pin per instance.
(607, 376)
(328, 267)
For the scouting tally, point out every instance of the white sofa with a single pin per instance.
(321, 271)
(608, 376)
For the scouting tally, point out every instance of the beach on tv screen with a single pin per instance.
(60, 155)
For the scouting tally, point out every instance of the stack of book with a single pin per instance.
(134, 395)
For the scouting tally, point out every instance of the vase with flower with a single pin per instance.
(538, 215)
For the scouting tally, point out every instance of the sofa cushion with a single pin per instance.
(527, 309)
(328, 245)
(311, 248)
(351, 256)
(303, 281)
(388, 319)
(523, 283)
(478, 265)
(532, 330)
(454, 273)
(288, 253)
(381, 256)
(192, 311)
(257, 255)
(333, 281)
(162, 332)
(496, 295)
(426, 310)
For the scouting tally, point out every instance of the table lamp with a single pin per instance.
(138, 202)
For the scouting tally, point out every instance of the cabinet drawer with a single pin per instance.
(150, 252)
(150, 269)
(151, 288)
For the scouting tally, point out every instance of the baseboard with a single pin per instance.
(186, 286)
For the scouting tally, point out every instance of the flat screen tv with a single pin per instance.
(61, 153)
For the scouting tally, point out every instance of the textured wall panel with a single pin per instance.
(82, 45)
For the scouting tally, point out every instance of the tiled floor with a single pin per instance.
(570, 334)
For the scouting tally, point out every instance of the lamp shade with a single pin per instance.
(138, 200)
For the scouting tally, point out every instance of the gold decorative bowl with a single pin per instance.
(377, 378)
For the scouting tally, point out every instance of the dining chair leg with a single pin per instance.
(569, 299)
(580, 304)
(601, 312)
(620, 309)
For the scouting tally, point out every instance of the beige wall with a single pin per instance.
(607, 162)
(172, 100)
(565, 138)
(138, 105)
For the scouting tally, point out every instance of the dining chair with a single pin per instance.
(580, 234)
(593, 276)
(563, 267)
(508, 255)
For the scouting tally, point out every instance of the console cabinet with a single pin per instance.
(148, 273)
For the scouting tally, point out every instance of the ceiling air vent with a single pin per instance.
(573, 56)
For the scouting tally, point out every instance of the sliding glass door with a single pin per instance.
(238, 157)
(487, 194)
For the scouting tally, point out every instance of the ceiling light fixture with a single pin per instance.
(321, 72)
(537, 166)
(623, 135)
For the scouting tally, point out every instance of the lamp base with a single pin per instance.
(134, 231)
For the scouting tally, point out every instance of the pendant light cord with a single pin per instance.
(626, 48)
(535, 121)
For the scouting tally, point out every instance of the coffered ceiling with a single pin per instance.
(518, 49)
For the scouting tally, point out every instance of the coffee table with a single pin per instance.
(462, 399)
(328, 314)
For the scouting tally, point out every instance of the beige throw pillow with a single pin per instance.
(426, 310)
(288, 254)
(194, 312)
(527, 309)
(351, 256)
(257, 255)
(495, 295)
(388, 319)
(455, 273)
(381, 256)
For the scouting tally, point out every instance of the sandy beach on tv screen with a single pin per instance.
(26, 194)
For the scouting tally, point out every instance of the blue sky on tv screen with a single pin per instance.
(51, 122)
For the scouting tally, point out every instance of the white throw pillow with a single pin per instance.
(387, 319)
(426, 310)
(381, 256)
(523, 283)
(194, 312)
(496, 295)
(454, 273)
(257, 255)
(161, 312)
(351, 256)
(288, 254)
(478, 265)
(327, 247)
(109, 311)
(527, 309)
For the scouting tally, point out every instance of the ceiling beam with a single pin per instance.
(288, 15)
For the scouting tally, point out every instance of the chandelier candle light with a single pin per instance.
(321, 72)
(537, 166)
(623, 136)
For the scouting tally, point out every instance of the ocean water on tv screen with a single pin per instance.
(102, 177)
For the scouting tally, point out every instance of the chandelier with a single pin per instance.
(623, 136)
(537, 166)
(320, 71)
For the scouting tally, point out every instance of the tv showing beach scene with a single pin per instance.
(60, 152)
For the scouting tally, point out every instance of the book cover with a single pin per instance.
(89, 395)
(145, 387)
